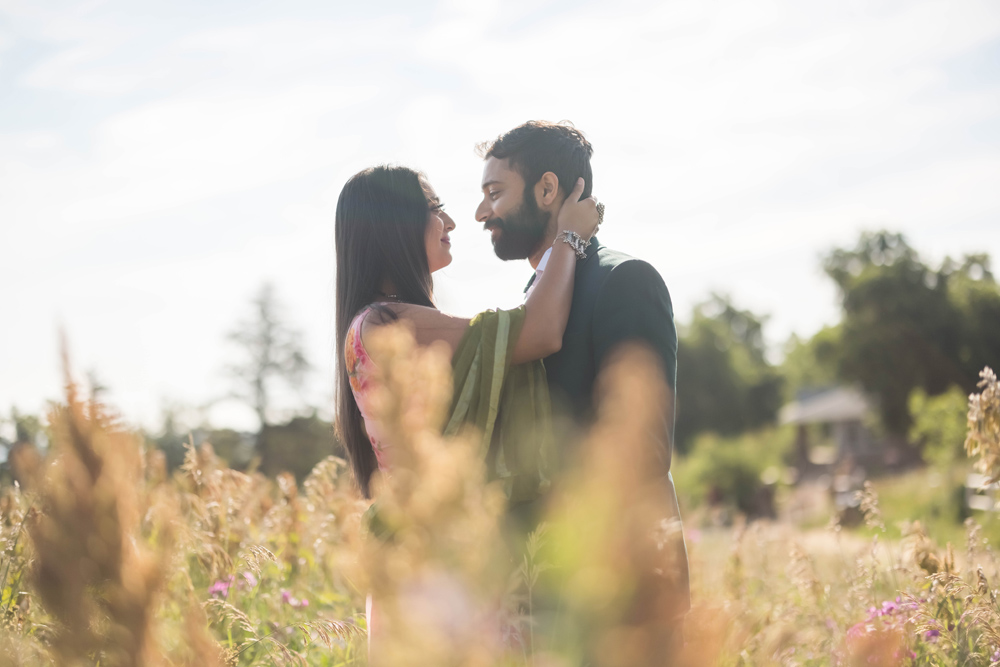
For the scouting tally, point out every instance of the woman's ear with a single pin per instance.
(547, 190)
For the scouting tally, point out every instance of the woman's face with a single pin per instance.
(439, 224)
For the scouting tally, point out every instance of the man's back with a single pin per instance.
(617, 299)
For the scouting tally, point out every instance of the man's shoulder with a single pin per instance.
(610, 258)
(621, 265)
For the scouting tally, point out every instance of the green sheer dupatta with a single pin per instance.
(507, 405)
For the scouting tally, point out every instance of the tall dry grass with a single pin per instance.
(107, 560)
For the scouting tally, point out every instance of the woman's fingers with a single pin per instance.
(579, 215)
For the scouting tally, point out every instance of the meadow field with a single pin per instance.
(108, 560)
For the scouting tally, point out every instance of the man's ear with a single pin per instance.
(547, 190)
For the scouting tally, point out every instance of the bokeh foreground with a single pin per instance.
(107, 560)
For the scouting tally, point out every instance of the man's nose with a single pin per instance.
(482, 212)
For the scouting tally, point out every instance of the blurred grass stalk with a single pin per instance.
(607, 574)
(124, 566)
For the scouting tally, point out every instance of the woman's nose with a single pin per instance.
(449, 224)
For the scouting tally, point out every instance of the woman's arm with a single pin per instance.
(547, 308)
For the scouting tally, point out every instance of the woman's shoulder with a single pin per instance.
(373, 314)
(430, 324)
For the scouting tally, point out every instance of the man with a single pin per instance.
(617, 299)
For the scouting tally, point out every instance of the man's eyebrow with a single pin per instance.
(489, 183)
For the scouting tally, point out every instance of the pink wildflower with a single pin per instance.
(220, 589)
(292, 601)
(249, 579)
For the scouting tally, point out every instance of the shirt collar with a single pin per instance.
(591, 250)
(544, 260)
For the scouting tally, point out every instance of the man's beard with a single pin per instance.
(522, 231)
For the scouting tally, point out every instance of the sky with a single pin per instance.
(160, 161)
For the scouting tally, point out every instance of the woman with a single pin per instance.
(391, 235)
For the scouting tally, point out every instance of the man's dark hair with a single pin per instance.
(539, 146)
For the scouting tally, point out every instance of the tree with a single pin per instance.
(272, 352)
(907, 326)
(173, 435)
(724, 382)
(27, 428)
(940, 425)
(812, 363)
(973, 291)
(298, 446)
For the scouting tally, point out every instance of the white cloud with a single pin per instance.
(170, 153)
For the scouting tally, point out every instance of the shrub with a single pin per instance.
(939, 424)
(739, 472)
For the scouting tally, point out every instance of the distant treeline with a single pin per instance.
(905, 325)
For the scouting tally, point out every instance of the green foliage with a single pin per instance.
(27, 427)
(939, 424)
(731, 471)
(297, 446)
(172, 438)
(812, 363)
(907, 326)
(724, 382)
(936, 498)
(974, 293)
(231, 446)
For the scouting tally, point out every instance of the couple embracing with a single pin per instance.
(583, 303)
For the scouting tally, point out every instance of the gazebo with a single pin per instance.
(842, 410)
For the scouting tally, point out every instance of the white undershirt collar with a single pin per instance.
(544, 260)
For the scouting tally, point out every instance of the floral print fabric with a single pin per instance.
(361, 372)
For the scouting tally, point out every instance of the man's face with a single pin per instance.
(509, 213)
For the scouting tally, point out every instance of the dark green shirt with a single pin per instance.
(616, 299)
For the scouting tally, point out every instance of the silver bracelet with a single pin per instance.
(575, 241)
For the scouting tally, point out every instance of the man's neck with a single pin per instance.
(546, 243)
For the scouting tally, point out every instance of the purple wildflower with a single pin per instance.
(249, 580)
(292, 601)
(220, 589)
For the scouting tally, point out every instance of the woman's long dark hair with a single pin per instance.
(379, 231)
